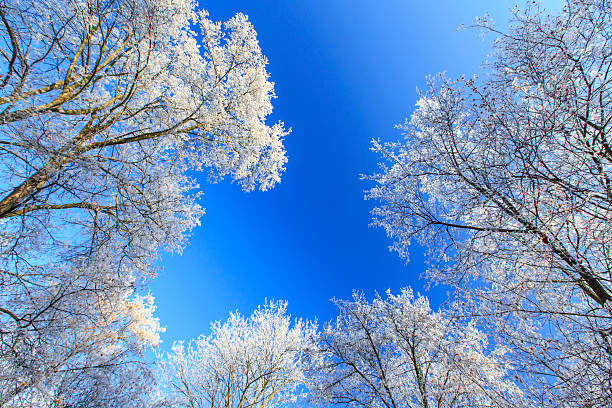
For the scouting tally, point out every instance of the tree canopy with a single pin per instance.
(108, 109)
(506, 180)
(105, 106)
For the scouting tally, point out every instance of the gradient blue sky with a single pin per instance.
(345, 72)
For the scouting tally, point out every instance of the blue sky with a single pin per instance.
(345, 72)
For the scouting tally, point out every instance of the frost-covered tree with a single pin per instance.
(105, 105)
(123, 383)
(397, 352)
(507, 181)
(72, 360)
(256, 361)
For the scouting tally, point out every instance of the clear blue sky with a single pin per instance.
(345, 72)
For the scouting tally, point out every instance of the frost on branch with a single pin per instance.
(397, 352)
(507, 182)
(104, 108)
(255, 361)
